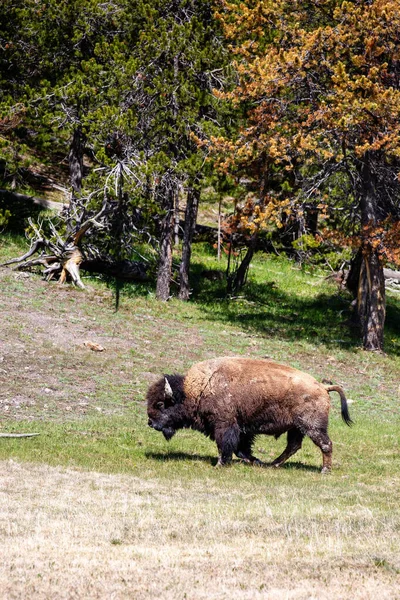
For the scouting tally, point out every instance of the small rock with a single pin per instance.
(93, 346)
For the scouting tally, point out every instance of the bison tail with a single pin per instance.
(343, 400)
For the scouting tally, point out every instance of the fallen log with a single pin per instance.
(124, 270)
(390, 274)
(70, 263)
(341, 277)
(63, 257)
(18, 435)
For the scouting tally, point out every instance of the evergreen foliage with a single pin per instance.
(125, 84)
(132, 96)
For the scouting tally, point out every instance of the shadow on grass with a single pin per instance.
(183, 456)
(392, 327)
(267, 309)
(180, 456)
(297, 466)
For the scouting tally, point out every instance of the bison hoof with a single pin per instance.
(325, 471)
(221, 463)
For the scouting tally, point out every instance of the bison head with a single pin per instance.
(164, 405)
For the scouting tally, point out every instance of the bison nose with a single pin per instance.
(150, 423)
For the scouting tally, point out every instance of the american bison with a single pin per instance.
(232, 400)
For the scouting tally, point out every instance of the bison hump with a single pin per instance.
(212, 377)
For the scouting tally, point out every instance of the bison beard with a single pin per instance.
(168, 433)
(232, 400)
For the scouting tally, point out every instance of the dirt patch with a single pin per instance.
(49, 366)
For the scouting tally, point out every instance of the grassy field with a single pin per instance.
(100, 506)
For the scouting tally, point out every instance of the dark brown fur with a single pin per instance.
(232, 400)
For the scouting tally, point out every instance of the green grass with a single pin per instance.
(365, 453)
(89, 407)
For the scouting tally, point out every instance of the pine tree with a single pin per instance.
(179, 56)
(322, 83)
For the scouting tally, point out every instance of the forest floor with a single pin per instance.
(100, 506)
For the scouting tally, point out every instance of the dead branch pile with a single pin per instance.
(63, 259)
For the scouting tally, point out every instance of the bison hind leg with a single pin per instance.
(227, 439)
(322, 440)
(244, 449)
(294, 441)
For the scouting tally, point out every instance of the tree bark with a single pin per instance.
(176, 220)
(165, 258)
(219, 234)
(371, 303)
(192, 205)
(353, 277)
(75, 161)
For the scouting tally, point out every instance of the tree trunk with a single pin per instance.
(371, 301)
(192, 206)
(353, 277)
(236, 283)
(219, 236)
(311, 212)
(75, 161)
(165, 258)
(176, 220)
(371, 304)
(118, 231)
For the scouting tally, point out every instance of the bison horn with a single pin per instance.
(168, 389)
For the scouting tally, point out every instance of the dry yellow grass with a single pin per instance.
(71, 534)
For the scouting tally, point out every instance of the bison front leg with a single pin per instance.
(227, 440)
(294, 441)
(244, 450)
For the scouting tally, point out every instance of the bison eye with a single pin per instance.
(160, 405)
